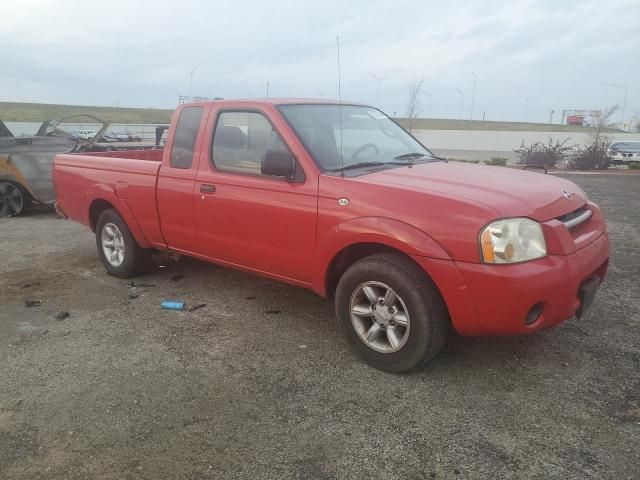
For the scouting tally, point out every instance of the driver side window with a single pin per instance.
(241, 140)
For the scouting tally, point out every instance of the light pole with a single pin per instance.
(461, 102)
(191, 82)
(267, 88)
(526, 104)
(624, 102)
(379, 81)
(473, 93)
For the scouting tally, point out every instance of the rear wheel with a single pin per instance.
(120, 253)
(391, 312)
(14, 200)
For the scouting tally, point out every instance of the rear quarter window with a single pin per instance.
(184, 141)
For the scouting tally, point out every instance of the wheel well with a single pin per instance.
(96, 208)
(14, 181)
(348, 256)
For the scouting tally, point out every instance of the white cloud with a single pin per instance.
(141, 53)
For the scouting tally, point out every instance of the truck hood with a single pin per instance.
(510, 192)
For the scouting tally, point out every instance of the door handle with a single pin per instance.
(205, 188)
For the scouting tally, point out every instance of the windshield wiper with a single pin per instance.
(416, 155)
(408, 156)
(366, 164)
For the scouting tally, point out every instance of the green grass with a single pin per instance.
(452, 124)
(39, 112)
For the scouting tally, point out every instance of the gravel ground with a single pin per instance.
(259, 384)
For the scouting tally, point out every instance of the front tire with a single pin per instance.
(121, 255)
(391, 312)
(14, 199)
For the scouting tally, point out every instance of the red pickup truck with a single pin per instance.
(339, 199)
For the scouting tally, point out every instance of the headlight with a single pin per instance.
(512, 240)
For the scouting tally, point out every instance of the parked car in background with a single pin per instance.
(120, 136)
(405, 244)
(624, 152)
(85, 134)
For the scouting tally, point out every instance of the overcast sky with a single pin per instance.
(141, 53)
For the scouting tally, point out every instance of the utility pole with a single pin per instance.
(526, 104)
(473, 93)
(461, 102)
(191, 83)
(267, 88)
(551, 117)
(624, 102)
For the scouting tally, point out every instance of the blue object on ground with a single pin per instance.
(173, 305)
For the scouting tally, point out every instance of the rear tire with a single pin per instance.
(121, 255)
(400, 320)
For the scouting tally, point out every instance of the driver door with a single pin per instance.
(260, 222)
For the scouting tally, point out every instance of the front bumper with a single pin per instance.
(620, 157)
(497, 299)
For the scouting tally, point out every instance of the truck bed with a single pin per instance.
(128, 183)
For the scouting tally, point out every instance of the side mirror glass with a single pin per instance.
(279, 163)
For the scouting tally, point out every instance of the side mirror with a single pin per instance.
(279, 163)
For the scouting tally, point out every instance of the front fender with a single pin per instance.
(381, 230)
(107, 193)
(8, 171)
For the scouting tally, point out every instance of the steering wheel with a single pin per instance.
(362, 148)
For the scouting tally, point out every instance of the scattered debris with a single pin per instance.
(583, 331)
(133, 292)
(302, 346)
(173, 305)
(32, 303)
(175, 278)
(197, 307)
(28, 285)
(272, 312)
(143, 285)
(251, 297)
(61, 316)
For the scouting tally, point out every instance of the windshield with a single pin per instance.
(366, 136)
(628, 146)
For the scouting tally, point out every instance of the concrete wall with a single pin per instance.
(484, 144)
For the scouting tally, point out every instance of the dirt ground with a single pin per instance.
(259, 384)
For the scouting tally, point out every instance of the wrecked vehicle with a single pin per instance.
(26, 162)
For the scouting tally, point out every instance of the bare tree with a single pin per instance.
(603, 122)
(413, 105)
(595, 154)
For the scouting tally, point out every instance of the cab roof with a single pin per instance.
(275, 101)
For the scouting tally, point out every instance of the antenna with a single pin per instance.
(340, 105)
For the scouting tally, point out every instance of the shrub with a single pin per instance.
(541, 154)
(634, 166)
(464, 160)
(497, 161)
(592, 156)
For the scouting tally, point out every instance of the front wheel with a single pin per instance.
(120, 253)
(391, 312)
(13, 199)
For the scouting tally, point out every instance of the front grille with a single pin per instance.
(575, 218)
